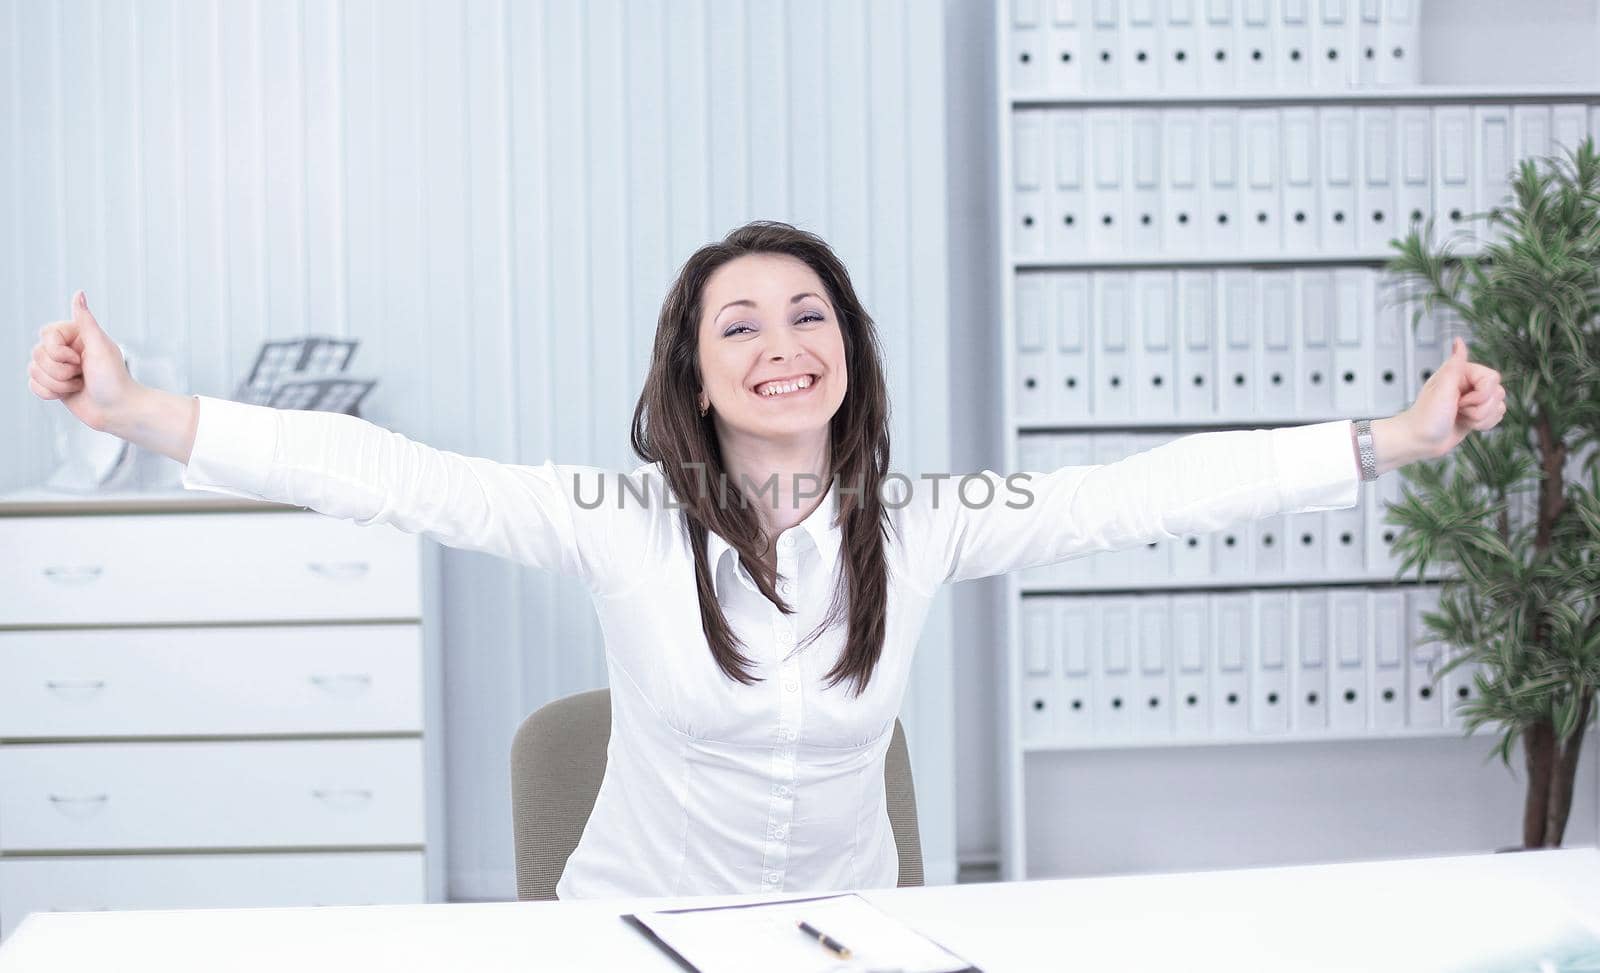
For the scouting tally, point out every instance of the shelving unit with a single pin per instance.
(1025, 432)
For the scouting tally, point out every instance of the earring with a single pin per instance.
(705, 409)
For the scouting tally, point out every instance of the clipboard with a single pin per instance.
(657, 927)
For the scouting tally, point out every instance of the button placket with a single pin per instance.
(780, 804)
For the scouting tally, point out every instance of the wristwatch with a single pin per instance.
(1365, 450)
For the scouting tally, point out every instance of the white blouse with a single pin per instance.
(712, 786)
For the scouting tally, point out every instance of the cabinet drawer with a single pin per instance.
(91, 884)
(253, 794)
(277, 679)
(204, 568)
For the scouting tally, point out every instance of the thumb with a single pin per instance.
(1458, 351)
(81, 316)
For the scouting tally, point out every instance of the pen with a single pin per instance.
(828, 942)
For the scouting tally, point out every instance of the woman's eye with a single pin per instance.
(735, 330)
(809, 316)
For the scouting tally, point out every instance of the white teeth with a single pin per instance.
(781, 388)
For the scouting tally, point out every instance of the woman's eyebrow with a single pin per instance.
(746, 302)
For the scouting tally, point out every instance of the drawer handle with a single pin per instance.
(342, 796)
(79, 808)
(80, 575)
(75, 688)
(339, 570)
(344, 683)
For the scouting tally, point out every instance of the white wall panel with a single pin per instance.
(493, 196)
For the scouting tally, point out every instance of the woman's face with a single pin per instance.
(771, 348)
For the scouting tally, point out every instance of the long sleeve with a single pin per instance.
(1195, 484)
(349, 468)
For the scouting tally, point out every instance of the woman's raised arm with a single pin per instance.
(546, 516)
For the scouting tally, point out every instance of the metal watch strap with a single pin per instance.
(1366, 450)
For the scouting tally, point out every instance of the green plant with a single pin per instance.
(1521, 597)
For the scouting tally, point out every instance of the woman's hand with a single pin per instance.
(78, 363)
(1460, 397)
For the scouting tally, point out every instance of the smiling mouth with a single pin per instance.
(789, 388)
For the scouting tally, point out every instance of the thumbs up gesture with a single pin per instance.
(1458, 398)
(77, 362)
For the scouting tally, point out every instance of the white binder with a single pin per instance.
(1424, 658)
(1156, 396)
(1074, 631)
(1076, 450)
(1413, 199)
(1113, 674)
(1153, 559)
(1368, 35)
(1065, 53)
(1217, 46)
(1568, 128)
(1153, 699)
(1314, 318)
(1261, 207)
(1460, 689)
(1191, 652)
(1269, 675)
(1141, 47)
(1387, 694)
(1530, 132)
(1105, 46)
(1354, 319)
(1117, 567)
(1222, 189)
(1196, 373)
(1399, 48)
(1381, 535)
(1068, 234)
(1180, 45)
(1347, 663)
(1310, 661)
(1454, 197)
(1027, 47)
(1237, 371)
(1113, 366)
(1033, 358)
(1232, 635)
(1256, 61)
(1301, 217)
(1491, 133)
(1391, 388)
(1143, 179)
(1338, 139)
(1028, 165)
(1040, 687)
(1334, 34)
(1070, 375)
(1275, 325)
(1183, 223)
(1107, 192)
(1036, 454)
(1375, 195)
(1294, 44)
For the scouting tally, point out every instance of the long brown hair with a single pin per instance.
(668, 429)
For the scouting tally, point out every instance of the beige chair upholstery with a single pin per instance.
(559, 755)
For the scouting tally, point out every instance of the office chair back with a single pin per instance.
(559, 755)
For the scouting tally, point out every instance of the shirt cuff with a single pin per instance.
(1317, 467)
(234, 446)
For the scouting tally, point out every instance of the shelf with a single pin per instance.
(1212, 583)
(1143, 424)
(1432, 94)
(1134, 261)
(1331, 736)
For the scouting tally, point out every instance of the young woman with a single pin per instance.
(761, 580)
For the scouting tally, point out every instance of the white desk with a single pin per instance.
(1414, 915)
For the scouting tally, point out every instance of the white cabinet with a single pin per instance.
(207, 701)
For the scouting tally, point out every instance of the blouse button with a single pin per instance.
(782, 790)
(784, 587)
(785, 543)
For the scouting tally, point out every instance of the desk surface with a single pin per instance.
(1431, 914)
